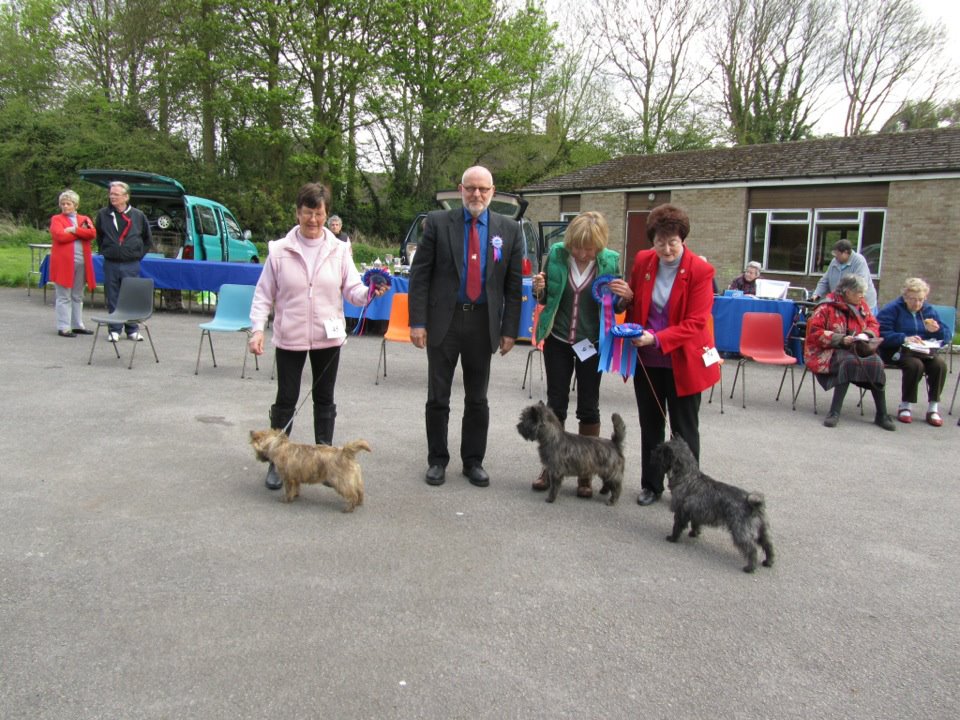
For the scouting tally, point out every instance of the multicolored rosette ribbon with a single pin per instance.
(372, 278)
(606, 300)
(618, 355)
(497, 243)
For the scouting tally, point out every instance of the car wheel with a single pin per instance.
(164, 222)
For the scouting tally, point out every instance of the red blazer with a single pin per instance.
(61, 252)
(691, 303)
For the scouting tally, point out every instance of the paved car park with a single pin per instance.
(145, 572)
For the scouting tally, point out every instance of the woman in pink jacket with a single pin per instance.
(71, 262)
(307, 276)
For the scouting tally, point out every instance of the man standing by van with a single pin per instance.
(123, 238)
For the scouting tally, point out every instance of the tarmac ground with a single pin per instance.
(145, 571)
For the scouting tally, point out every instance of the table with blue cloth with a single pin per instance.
(379, 309)
(728, 319)
(174, 274)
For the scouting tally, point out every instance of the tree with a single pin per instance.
(28, 51)
(888, 50)
(454, 70)
(774, 60)
(648, 45)
(923, 114)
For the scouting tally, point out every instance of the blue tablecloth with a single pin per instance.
(173, 274)
(379, 309)
(728, 318)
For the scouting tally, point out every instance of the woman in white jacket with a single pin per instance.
(307, 276)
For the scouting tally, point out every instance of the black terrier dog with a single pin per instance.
(565, 454)
(698, 499)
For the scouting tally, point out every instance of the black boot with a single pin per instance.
(324, 418)
(880, 402)
(833, 417)
(279, 417)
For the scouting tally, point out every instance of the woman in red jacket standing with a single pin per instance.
(676, 357)
(71, 262)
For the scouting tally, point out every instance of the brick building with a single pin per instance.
(896, 197)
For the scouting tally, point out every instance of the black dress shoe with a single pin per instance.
(273, 481)
(477, 475)
(66, 333)
(435, 475)
(647, 497)
(81, 331)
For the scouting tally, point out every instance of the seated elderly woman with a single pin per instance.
(747, 282)
(838, 348)
(908, 320)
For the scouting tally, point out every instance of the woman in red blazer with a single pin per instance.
(71, 262)
(676, 357)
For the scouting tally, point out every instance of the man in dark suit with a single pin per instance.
(465, 291)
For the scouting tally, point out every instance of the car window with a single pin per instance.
(205, 220)
(233, 229)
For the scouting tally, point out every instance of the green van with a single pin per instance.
(182, 226)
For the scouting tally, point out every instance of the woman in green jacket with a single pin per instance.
(569, 323)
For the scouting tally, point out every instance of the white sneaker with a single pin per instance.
(113, 337)
(135, 336)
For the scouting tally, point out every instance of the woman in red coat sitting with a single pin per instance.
(676, 358)
(834, 349)
(71, 262)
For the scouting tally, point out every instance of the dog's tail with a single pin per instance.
(755, 501)
(352, 448)
(619, 432)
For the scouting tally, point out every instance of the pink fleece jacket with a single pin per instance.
(301, 304)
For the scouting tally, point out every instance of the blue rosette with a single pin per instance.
(374, 277)
(601, 287)
(627, 330)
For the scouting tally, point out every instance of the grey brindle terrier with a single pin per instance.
(565, 454)
(697, 499)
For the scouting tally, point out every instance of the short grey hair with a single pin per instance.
(120, 184)
(753, 264)
(69, 195)
(850, 281)
(915, 285)
(334, 217)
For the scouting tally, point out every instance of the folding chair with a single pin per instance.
(537, 350)
(713, 340)
(761, 340)
(232, 315)
(134, 305)
(398, 329)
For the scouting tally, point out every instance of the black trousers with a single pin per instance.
(561, 363)
(324, 364)
(467, 341)
(914, 367)
(657, 394)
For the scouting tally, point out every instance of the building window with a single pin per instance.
(568, 216)
(801, 241)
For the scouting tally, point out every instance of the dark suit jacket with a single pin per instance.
(438, 267)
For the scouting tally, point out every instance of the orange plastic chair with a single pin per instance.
(398, 329)
(761, 340)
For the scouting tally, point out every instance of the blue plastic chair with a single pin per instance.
(232, 315)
